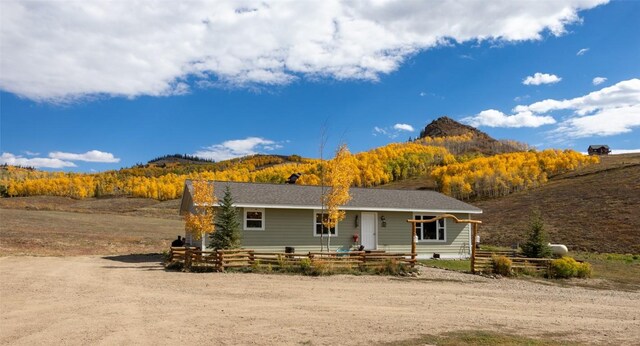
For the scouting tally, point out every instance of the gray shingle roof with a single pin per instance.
(308, 197)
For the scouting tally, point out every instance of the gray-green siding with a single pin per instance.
(295, 227)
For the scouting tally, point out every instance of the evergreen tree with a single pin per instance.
(227, 234)
(536, 246)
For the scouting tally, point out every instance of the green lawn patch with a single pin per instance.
(477, 337)
(621, 271)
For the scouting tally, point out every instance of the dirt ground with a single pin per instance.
(131, 299)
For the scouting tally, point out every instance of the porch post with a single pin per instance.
(413, 241)
(473, 248)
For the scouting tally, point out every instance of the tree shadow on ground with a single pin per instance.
(136, 258)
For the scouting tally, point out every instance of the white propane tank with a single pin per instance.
(558, 249)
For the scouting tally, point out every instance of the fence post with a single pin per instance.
(187, 258)
(220, 259)
(252, 258)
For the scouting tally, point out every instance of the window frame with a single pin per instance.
(419, 228)
(315, 224)
(245, 219)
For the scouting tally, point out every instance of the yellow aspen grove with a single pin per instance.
(467, 175)
(338, 179)
(500, 175)
(201, 222)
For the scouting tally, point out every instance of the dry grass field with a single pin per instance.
(595, 209)
(58, 226)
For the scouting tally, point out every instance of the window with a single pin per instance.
(319, 228)
(253, 219)
(430, 231)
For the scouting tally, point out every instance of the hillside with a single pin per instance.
(594, 208)
(477, 141)
(447, 127)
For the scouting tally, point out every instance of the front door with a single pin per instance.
(368, 231)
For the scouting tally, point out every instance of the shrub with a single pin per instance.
(536, 245)
(584, 270)
(283, 264)
(501, 265)
(166, 256)
(567, 267)
(527, 269)
(392, 267)
(202, 269)
(175, 265)
(321, 267)
(305, 266)
(255, 266)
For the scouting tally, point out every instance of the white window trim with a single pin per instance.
(244, 218)
(437, 226)
(314, 225)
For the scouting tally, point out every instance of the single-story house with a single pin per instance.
(598, 149)
(275, 216)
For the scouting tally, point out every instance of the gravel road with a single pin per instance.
(132, 300)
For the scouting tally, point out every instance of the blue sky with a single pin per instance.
(91, 87)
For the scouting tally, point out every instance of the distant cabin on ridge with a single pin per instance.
(599, 150)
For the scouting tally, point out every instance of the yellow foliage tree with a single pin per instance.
(338, 179)
(201, 221)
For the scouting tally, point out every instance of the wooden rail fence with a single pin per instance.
(220, 260)
(483, 261)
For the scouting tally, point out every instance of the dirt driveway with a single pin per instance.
(132, 300)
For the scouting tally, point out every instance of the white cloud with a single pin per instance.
(582, 51)
(31, 153)
(609, 111)
(599, 80)
(89, 156)
(494, 118)
(37, 162)
(237, 148)
(605, 122)
(403, 127)
(60, 51)
(541, 78)
(392, 131)
(624, 151)
(379, 130)
(57, 159)
(622, 94)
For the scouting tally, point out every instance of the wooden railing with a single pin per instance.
(483, 261)
(220, 260)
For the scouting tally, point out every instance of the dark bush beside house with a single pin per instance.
(536, 245)
(227, 232)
